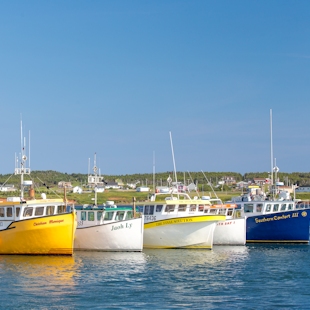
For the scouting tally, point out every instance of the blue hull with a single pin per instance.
(288, 226)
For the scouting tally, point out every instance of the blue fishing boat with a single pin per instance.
(280, 219)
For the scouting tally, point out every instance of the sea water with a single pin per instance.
(227, 277)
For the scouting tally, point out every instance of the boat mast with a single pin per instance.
(95, 172)
(175, 171)
(271, 156)
(22, 169)
(154, 187)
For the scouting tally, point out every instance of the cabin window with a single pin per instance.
(290, 207)
(169, 208)
(201, 208)
(148, 210)
(159, 208)
(129, 215)
(1, 212)
(248, 207)
(17, 211)
(193, 208)
(61, 209)
(222, 211)
(108, 216)
(182, 208)
(83, 215)
(283, 207)
(28, 211)
(119, 215)
(230, 212)
(276, 207)
(213, 211)
(259, 207)
(268, 207)
(99, 215)
(50, 210)
(39, 211)
(9, 212)
(91, 216)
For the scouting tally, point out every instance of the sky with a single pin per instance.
(119, 78)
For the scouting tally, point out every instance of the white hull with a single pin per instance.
(183, 235)
(118, 236)
(230, 232)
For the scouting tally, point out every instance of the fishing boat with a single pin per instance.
(273, 220)
(178, 221)
(107, 227)
(35, 226)
(231, 231)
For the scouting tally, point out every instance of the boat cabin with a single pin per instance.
(13, 209)
(266, 207)
(88, 215)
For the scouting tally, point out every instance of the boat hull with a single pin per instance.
(118, 236)
(49, 235)
(195, 232)
(286, 227)
(230, 232)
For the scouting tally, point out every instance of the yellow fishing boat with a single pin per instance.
(35, 226)
(39, 226)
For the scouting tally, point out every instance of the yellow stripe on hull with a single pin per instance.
(50, 235)
(185, 220)
(174, 247)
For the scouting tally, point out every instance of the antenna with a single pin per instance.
(29, 149)
(154, 187)
(175, 173)
(22, 169)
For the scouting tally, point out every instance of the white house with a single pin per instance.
(77, 190)
(143, 189)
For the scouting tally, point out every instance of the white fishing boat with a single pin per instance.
(35, 226)
(107, 227)
(231, 231)
(178, 221)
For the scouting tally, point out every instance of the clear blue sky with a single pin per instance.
(115, 77)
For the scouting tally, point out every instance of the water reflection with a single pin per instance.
(169, 258)
(41, 270)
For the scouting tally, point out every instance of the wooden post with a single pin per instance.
(65, 195)
(134, 206)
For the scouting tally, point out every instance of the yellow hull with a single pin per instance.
(49, 235)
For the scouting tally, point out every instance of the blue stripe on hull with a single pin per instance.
(289, 226)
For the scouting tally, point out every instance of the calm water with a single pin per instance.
(249, 277)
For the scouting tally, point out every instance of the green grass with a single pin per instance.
(123, 196)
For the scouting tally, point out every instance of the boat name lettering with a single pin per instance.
(58, 221)
(174, 221)
(117, 227)
(225, 223)
(121, 226)
(40, 223)
(150, 217)
(274, 218)
(295, 214)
